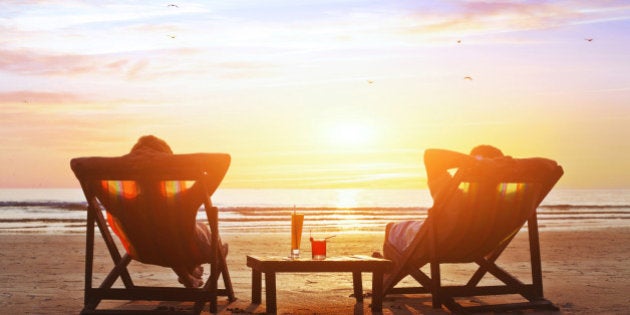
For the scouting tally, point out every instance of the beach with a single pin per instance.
(585, 271)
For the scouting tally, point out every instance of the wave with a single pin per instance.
(44, 220)
(82, 206)
(583, 206)
(255, 211)
(59, 205)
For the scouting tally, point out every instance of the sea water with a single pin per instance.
(326, 210)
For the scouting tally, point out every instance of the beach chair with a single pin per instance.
(472, 221)
(151, 204)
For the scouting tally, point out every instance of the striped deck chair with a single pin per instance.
(472, 221)
(151, 205)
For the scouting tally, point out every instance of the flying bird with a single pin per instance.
(370, 81)
(468, 78)
(172, 5)
(588, 39)
(171, 36)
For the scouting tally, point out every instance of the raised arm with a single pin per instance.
(437, 163)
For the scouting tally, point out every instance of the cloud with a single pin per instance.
(26, 62)
(59, 122)
(489, 17)
(131, 66)
(36, 96)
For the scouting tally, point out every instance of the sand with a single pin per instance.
(584, 272)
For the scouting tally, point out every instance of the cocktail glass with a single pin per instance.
(318, 248)
(296, 234)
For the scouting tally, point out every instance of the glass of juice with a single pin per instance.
(296, 234)
(318, 248)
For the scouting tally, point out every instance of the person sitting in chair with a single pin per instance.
(190, 273)
(438, 162)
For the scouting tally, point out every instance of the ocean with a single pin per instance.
(327, 211)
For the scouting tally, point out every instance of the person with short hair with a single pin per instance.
(190, 274)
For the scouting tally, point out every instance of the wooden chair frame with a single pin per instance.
(86, 170)
(445, 295)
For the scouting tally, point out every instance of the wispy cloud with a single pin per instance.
(32, 63)
(28, 97)
(321, 175)
(481, 17)
(42, 125)
(132, 66)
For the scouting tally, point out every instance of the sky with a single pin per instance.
(315, 94)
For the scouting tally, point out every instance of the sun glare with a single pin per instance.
(351, 134)
(347, 198)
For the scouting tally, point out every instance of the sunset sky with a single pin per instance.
(316, 94)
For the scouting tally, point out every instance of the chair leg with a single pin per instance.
(534, 251)
(118, 271)
(399, 271)
(391, 279)
(481, 272)
(436, 285)
(214, 278)
(227, 280)
(434, 266)
(111, 246)
(89, 257)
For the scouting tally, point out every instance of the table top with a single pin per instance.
(330, 264)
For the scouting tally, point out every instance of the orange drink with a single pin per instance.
(296, 233)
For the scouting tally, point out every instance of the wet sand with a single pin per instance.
(584, 272)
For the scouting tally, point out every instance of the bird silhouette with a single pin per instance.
(588, 39)
(172, 5)
(468, 78)
(171, 36)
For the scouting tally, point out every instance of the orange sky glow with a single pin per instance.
(322, 94)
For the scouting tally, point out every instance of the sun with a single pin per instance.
(351, 134)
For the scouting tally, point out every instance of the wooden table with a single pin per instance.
(270, 265)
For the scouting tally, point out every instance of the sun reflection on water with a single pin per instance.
(347, 198)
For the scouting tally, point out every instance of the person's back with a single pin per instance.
(175, 206)
(439, 164)
(476, 213)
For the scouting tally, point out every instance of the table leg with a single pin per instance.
(270, 292)
(377, 291)
(256, 286)
(357, 284)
